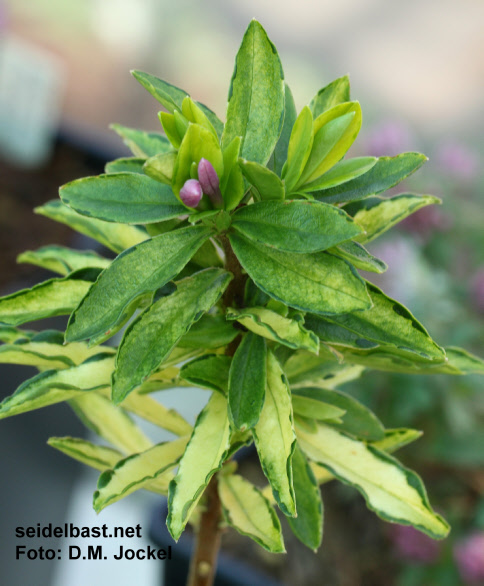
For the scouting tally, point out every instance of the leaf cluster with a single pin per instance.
(254, 296)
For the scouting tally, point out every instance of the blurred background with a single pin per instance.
(417, 69)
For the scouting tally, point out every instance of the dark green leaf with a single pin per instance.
(388, 323)
(358, 256)
(172, 97)
(247, 382)
(128, 198)
(210, 331)
(387, 172)
(308, 525)
(256, 97)
(140, 270)
(209, 372)
(337, 92)
(295, 226)
(280, 152)
(125, 165)
(152, 336)
(318, 282)
(358, 419)
(142, 144)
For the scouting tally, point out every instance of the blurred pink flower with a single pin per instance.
(477, 291)
(426, 221)
(388, 139)
(469, 556)
(412, 545)
(458, 160)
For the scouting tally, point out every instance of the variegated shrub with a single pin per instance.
(238, 249)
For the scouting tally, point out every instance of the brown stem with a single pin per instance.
(203, 564)
(234, 294)
(204, 559)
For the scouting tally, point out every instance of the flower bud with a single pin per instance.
(210, 182)
(191, 193)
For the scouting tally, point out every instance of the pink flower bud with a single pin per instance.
(191, 193)
(210, 182)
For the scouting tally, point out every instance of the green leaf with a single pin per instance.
(267, 183)
(387, 322)
(273, 326)
(256, 97)
(98, 457)
(232, 182)
(319, 282)
(152, 336)
(203, 456)
(142, 144)
(274, 437)
(113, 298)
(388, 358)
(342, 172)
(313, 409)
(337, 92)
(247, 382)
(357, 420)
(464, 361)
(9, 334)
(60, 259)
(54, 386)
(136, 471)
(209, 372)
(160, 167)
(172, 97)
(397, 438)
(128, 198)
(47, 350)
(323, 371)
(250, 513)
(383, 214)
(299, 148)
(290, 114)
(392, 491)
(210, 331)
(195, 114)
(125, 165)
(116, 237)
(334, 132)
(295, 226)
(308, 525)
(109, 422)
(358, 256)
(52, 297)
(197, 143)
(154, 412)
(387, 172)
